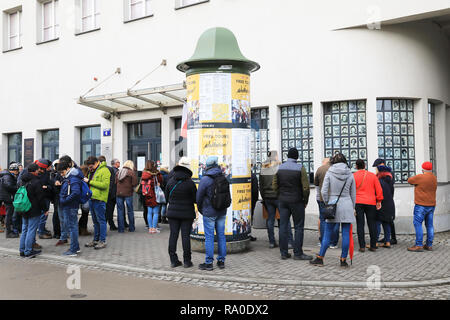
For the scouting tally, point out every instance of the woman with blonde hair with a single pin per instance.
(126, 180)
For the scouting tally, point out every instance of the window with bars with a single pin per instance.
(259, 139)
(297, 132)
(345, 130)
(395, 127)
(13, 29)
(432, 134)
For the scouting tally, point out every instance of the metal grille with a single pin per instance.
(345, 130)
(297, 132)
(259, 139)
(395, 129)
(432, 134)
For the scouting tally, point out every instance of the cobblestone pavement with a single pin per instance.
(262, 271)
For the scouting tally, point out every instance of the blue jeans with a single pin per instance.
(71, 221)
(163, 210)
(29, 227)
(210, 224)
(323, 222)
(152, 216)
(421, 214)
(98, 211)
(330, 228)
(297, 210)
(271, 206)
(386, 229)
(63, 224)
(120, 201)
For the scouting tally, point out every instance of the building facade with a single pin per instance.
(85, 77)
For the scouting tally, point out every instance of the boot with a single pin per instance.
(84, 232)
(344, 263)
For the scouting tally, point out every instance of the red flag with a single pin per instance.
(184, 121)
(352, 246)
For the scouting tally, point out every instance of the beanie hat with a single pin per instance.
(211, 161)
(184, 162)
(293, 153)
(377, 162)
(384, 169)
(427, 166)
(42, 163)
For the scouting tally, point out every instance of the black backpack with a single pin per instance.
(221, 198)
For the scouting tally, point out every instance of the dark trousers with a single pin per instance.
(83, 222)
(9, 218)
(110, 211)
(297, 210)
(55, 219)
(145, 216)
(393, 235)
(185, 225)
(370, 212)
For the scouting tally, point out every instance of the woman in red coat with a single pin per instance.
(151, 177)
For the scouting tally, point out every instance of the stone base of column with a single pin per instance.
(232, 246)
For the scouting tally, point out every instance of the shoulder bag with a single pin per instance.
(329, 210)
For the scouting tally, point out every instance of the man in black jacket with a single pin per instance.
(30, 220)
(255, 196)
(115, 164)
(8, 188)
(44, 168)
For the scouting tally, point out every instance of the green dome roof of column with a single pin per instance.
(217, 47)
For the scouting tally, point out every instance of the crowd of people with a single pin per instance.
(172, 197)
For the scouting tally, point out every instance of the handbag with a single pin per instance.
(138, 188)
(329, 211)
(160, 197)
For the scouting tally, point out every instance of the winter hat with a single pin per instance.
(377, 162)
(42, 163)
(427, 166)
(384, 169)
(184, 162)
(293, 153)
(211, 161)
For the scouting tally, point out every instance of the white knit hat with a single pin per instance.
(185, 162)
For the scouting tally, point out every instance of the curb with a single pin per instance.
(185, 275)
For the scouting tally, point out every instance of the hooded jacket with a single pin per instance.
(36, 195)
(126, 180)
(70, 194)
(334, 180)
(149, 177)
(99, 182)
(205, 193)
(8, 186)
(165, 175)
(387, 211)
(181, 194)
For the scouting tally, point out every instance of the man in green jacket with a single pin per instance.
(98, 181)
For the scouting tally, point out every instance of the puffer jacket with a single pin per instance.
(126, 180)
(336, 176)
(99, 182)
(205, 193)
(149, 177)
(181, 194)
(8, 186)
(387, 211)
(70, 194)
(36, 195)
(268, 171)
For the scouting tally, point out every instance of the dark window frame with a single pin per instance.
(92, 142)
(259, 147)
(17, 147)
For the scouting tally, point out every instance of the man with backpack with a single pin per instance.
(213, 199)
(8, 187)
(30, 203)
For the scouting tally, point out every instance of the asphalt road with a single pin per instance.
(31, 279)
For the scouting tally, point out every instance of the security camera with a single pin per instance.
(106, 115)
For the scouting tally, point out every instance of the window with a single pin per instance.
(14, 147)
(259, 139)
(90, 15)
(48, 20)
(345, 130)
(90, 142)
(12, 29)
(136, 9)
(297, 132)
(395, 127)
(50, 144)
(187, 3)
(432, 134)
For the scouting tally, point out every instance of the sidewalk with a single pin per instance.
(145, 253)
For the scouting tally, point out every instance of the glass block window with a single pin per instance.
(259, 139)
(395, 127)
(345, 130)
(432, 134)
(297, 132)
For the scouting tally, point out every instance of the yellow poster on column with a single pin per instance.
(242, 196)
(240, 87)
(192, 88)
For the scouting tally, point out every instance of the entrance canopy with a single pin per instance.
(130, 101)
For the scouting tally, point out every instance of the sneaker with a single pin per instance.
(333, 247)
(317, 262)
(303, 257)
(37, 246)
(45, 236)
(344, 263)
(157, 230)
(33, 254)
(11, 235)
(393, 241)
(91, 244)
(100, 245)
(79, 251)
(287, 256)
(221, 264)
(273, 245)
(188, 264)
(69, 253)
(206, 266)
(415, 249)
(428, 248)
(22, 254)
(61, 242)
(176, 264)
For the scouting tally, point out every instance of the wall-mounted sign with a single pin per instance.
(28, 148)
(107, 132)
